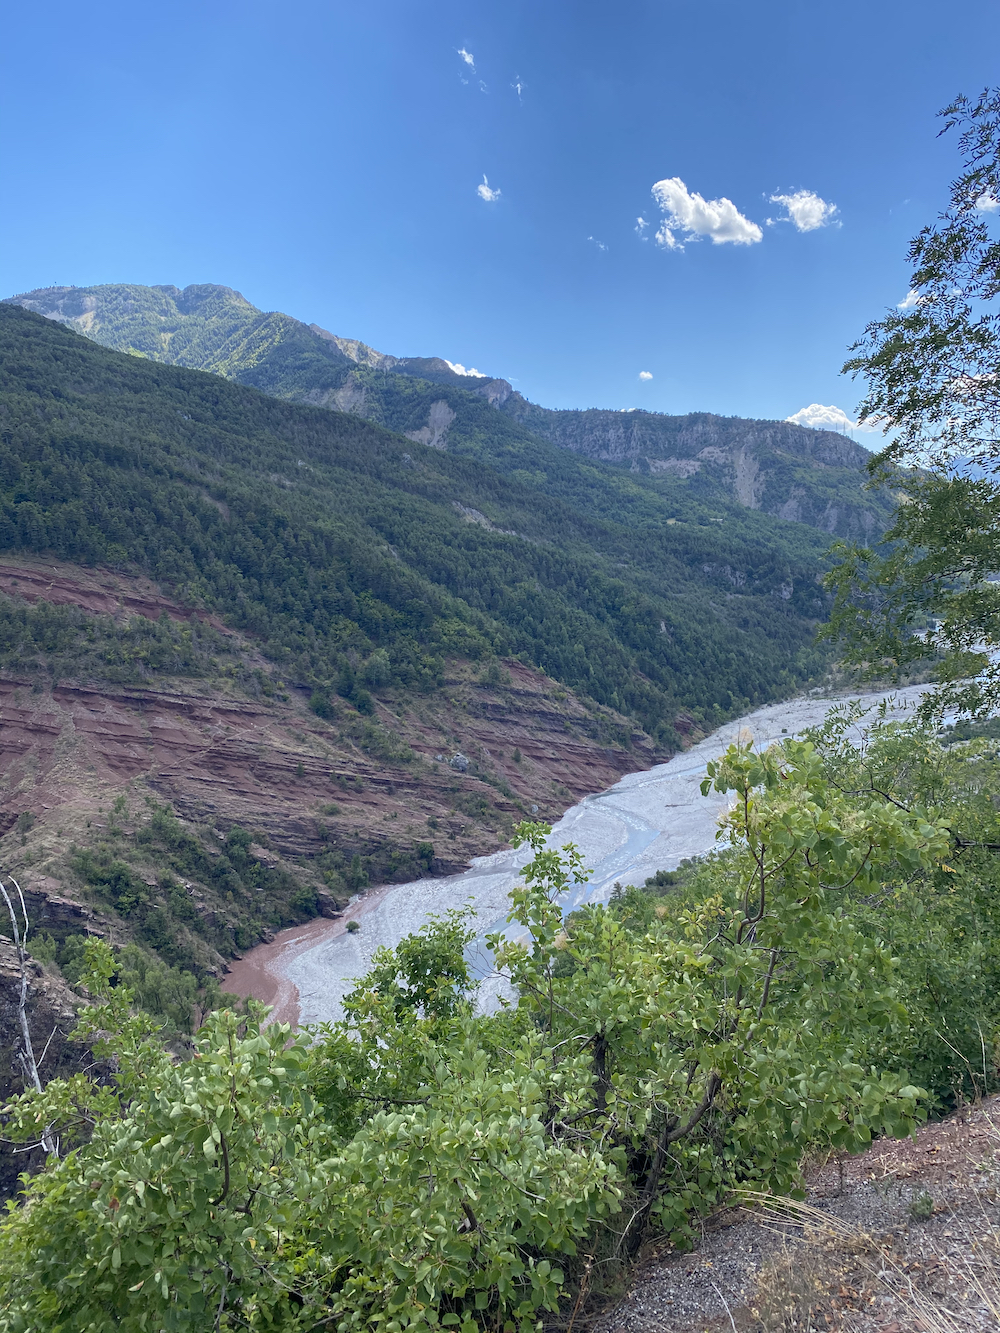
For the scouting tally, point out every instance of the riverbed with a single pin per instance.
(646, 822)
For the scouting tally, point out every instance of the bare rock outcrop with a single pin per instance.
(790, 471)
(305, 785)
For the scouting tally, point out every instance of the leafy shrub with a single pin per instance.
(425, 1165)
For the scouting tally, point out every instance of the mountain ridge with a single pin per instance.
(791, 472)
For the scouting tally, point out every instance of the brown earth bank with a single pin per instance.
(426, 783)
(100, 591)
(903, 1238)
(260, 974)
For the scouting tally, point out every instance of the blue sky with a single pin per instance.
(324, 158)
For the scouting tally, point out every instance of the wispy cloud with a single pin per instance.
(640, 228)
(600, 244)
(825, 418)
(518, 86)
(645, 375)
(482, 87)
(484, 192)
(693, 217)
(805, 210)
(468, 57)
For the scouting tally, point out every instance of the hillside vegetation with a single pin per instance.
(698, 460)
(828, 976)
(362, 602)
(359, 558)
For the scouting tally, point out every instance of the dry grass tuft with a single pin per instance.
(836, 1274)
(801, 1291)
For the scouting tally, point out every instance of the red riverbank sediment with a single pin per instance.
(259, 974)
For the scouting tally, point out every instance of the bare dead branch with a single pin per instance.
(27, 1054)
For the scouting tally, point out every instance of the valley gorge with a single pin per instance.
(260, 655)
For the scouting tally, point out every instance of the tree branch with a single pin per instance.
(225, 1166)
(711, 1092)
(27, 1054)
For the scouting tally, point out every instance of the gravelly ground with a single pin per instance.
(872, 1267)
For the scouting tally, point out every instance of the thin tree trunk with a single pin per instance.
(671, 1132)
(27, 1054)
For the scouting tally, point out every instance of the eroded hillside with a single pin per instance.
(255, 656)
(91, 768)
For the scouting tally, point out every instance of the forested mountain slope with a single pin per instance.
(332, 539)
(806, 476)
(813, 477)
(283, 620)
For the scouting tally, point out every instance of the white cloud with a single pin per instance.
(645, 375)
(600, 244)
(694, 216)
(484, 192)
(459, 369)
(468, 57)
(967, 386)
(518, 86)
(806, 210)
(911, 299)
(640, 229)
(482, 87)
(987, 204)
(826, 418)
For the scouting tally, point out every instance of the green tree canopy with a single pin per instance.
(933, 372)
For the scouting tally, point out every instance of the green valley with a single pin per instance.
(277, 623)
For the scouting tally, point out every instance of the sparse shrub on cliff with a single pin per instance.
(356, 875)
(493, 674)
(66, 642)
(303, 901)
(363, 702)
(320, 704)
(378, 669)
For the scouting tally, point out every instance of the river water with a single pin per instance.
(646, 822)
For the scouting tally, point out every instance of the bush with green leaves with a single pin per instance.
(926, 594)
(940, 920)
(424, 1165)
(217, 1192)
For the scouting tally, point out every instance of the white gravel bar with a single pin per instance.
(646, 822)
